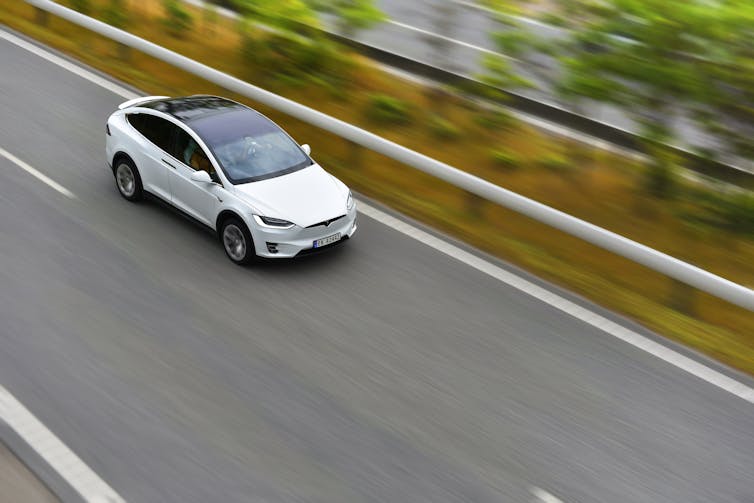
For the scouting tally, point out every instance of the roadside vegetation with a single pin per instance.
(656, 60)
(708, 226)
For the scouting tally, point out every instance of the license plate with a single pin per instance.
(326, 241)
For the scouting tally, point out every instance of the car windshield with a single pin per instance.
(250, 147)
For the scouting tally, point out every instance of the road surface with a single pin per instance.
(384, 371)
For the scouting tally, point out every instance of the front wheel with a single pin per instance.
(237, 241)
(128, 180)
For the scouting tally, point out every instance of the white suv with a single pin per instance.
(232, 169)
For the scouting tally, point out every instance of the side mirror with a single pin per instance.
(201, 176)
(306, 148)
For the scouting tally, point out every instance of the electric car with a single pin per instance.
(232, 169)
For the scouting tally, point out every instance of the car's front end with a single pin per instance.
(274, 239)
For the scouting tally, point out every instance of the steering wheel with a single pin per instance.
(250, 147)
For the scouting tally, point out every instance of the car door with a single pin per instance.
(156, 133)
(197, 199)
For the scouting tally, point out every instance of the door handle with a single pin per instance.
(166, 162)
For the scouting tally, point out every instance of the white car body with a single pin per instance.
(317, 204)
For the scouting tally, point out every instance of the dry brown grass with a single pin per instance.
(601, 190)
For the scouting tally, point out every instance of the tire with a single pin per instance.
(128, 180)
(237, 242)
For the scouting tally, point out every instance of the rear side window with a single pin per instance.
(153, 128)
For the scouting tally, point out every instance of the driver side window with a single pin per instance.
(188, 151)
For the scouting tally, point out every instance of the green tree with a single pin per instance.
(289, 14)
(178, 20)
(116, 13)
(657, 60)
(510, 39)
(729, 64)
(352, 16)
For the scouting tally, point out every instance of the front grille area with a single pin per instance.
(325, 222)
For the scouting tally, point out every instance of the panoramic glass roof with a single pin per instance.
(191, 108)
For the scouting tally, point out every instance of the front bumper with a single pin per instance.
(286, 243)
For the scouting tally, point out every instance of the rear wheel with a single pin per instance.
(128, 180)
(237, 241)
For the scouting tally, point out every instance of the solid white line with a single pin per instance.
(69, 466)
(37, 174)
(566, 306)
(448, 39)
(71, 67)
(639, 341)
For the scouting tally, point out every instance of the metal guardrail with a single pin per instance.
(636, 252)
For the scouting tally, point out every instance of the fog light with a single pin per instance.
(272, 247)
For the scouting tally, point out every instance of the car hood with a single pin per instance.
(304, 197)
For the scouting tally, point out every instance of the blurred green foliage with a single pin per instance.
(288, 14)
(294, 60)
(495, 119)
(732, 211)
(210, 18)
(505, 158)
(351, 15)
(116, 13)
(83, 6)
(178, 20)
(556, 162)
(442, 128)
(656, 59)
(385, 109)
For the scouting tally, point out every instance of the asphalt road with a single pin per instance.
(382, 372)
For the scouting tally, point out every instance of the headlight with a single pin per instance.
(273, 223)
(349, 201)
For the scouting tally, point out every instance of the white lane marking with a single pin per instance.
(522, 19)
(566, 306)
(36, 173)
(447, 39)
(71, 67)
(639, 341)
(542, 496)
(81, 478)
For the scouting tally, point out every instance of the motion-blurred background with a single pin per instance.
(634, 115)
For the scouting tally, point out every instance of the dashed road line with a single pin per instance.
(542, 496)
(36, 173)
